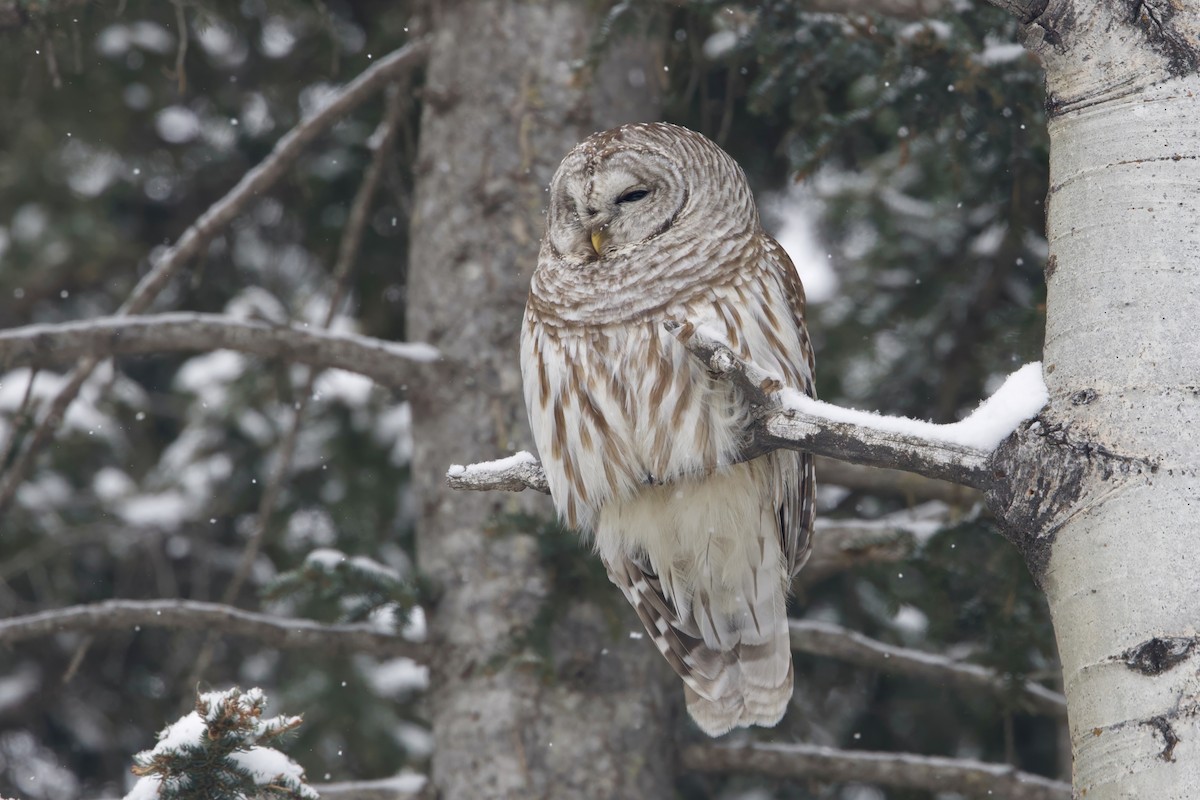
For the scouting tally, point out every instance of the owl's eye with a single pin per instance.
(633, 197)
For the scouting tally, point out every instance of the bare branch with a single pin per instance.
(387, 363)
(834, 641)
(198, 235)
(899, 770)
(266, 629)
(912, 487)
(843, 544)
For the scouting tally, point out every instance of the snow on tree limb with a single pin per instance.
(267, 629)
(256, 182)
(515, 473)
(387, 363)
(826, 639)
(783, 418)
(898, 770)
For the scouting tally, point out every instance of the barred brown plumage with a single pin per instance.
(647, 223)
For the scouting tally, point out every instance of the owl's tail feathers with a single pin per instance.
(742, 677)
(753, 688)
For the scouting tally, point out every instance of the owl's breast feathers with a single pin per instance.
(618, 406)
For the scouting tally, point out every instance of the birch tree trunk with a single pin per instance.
(1105, 493)
(504, 101)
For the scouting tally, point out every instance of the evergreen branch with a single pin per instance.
(387, 363)
(267, 629)
(834, 641)
(897, 770)
(200, 233)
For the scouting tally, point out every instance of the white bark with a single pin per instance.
(1123, 369)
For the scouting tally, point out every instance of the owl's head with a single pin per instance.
(620, 189)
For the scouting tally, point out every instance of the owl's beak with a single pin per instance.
(597, 241)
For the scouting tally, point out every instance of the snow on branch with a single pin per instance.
(787, 419)
(387, 363)
(897, 770)
(783, 418)
(515, 473)
(267, 629)
(834, 641)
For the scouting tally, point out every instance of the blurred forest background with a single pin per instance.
(901, 158)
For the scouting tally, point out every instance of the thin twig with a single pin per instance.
(193, 241)
(834, 641)
(19, 418)
(387, 363)
(181, 52)
(898, 770)
(268, 630)
(52, 61)
(77, 658)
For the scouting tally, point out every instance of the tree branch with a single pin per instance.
(266, 629)
(198, 235)
(899, 770)
(842, 544)
(387, 363)
(405, 785)
(782, 418)
(512, 474)
(912, 487)
(834, 641)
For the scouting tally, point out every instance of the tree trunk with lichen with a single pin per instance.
(1102, 492)
(587, 712)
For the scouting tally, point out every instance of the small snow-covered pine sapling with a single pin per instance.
(219, 752)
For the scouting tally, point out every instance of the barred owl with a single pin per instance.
(649, 223)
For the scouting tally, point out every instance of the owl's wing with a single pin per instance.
(796, 498)
(769, 329)
(704, 670)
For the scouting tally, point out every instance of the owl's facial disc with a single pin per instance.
(612, 204)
